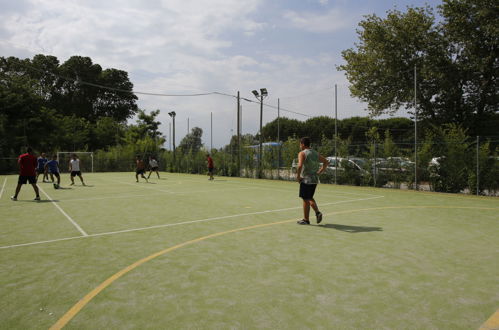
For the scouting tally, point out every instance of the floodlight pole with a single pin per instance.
(261, 138)
(211, 132)
(173, 114)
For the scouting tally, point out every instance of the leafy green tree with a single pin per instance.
(192, 143)
(456, 61)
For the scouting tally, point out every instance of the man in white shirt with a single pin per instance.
(153, 166)
(74, 168)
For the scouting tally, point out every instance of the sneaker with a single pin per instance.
(303, 222)
(37, 198)
(319, 217)
(72, 184)
(13, 198)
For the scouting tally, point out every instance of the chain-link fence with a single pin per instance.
(470, 166)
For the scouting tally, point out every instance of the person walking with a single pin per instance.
(27, 173)
(307, 174)
(209, 161)
(75, 169)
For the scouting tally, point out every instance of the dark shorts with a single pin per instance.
(141, 171)
(307, 191)
(75, 173)
(154, 168)
(40, 170)
(23, 179)
(54, 173)
(210, 169)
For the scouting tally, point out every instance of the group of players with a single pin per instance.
(31, 167)
(309, 160)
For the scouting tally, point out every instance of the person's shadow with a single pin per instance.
(350, 229)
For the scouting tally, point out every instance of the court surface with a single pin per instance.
(184, 252)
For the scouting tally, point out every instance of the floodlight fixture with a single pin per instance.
(172, 114)
(264, 91)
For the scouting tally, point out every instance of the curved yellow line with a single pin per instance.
(71, 313)
(492, 323)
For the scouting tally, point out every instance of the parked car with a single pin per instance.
(354, 163)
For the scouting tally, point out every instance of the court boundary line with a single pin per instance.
(3, 187)
(64, 213)
(76, 308)
(175, 224)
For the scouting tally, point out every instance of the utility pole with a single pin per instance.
(278, 139)
(415, 131)
(335, 132)
(238, 133)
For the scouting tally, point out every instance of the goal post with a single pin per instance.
(87, 158)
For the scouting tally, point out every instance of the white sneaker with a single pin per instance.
(13, 198)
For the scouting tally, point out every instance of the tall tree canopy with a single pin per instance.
(456, 60)
(51, 106)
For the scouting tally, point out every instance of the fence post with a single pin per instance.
(477, 165)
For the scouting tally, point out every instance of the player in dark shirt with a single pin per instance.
(27, 173)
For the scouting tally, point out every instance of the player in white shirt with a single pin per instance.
(74, 168)
(153, 166)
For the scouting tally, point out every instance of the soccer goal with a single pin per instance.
(86, 160)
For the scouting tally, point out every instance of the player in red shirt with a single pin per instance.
(209, 160)
(27, 173)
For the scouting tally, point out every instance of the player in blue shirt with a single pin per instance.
(40, 168)
(53, 169)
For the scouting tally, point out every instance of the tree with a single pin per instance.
(454, 83)
(191, 143)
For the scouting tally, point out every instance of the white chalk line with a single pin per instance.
(180, 223)
(64, 213)
(3, 187)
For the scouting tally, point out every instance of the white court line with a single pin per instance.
(3, 186)
(179, 223)
(65, 214)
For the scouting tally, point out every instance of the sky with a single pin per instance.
(289, 47)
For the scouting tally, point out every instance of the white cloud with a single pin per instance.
(331, 21)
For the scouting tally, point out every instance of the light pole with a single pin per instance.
(173, 114)
(263, 93)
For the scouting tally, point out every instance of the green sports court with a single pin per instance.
(183, 252)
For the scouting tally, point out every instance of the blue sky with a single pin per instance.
(192, 46)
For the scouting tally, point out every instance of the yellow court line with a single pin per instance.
(492, 323)
(71, 313)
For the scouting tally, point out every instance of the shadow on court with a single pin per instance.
(40, 201)
(350, 229)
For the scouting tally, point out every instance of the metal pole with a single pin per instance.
(170, 136)
(187, 125)
(278, 139)
(238, 134)
(477, 165)
(335, 132)
(415, 131)
(211, 131)
(261, 138)
(174, 157)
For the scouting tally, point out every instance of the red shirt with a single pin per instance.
(210, 162)
(27, 165)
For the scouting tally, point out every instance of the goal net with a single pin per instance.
(86, 160)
